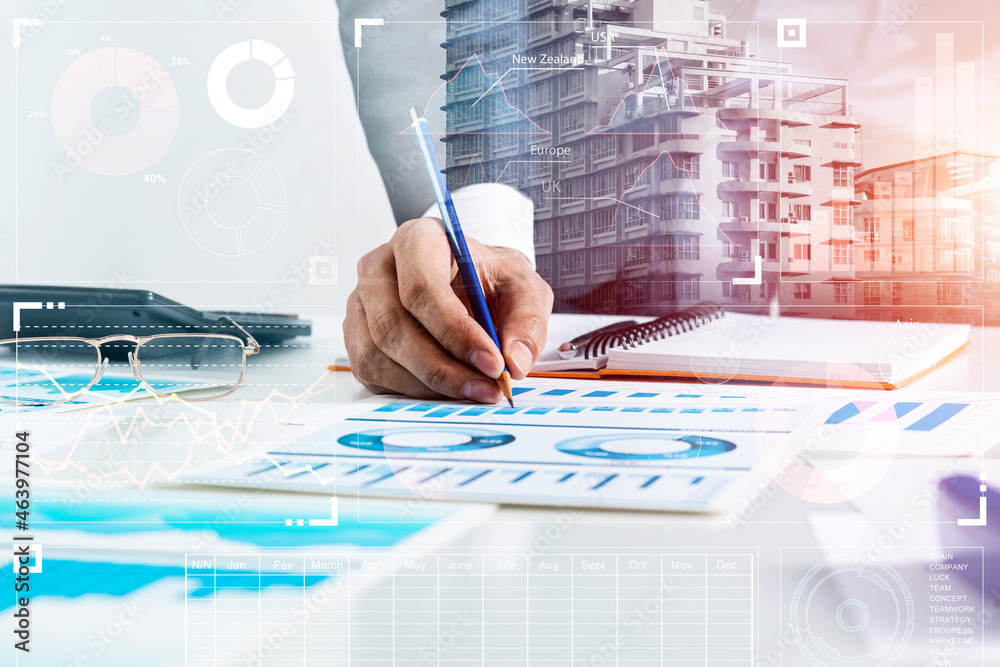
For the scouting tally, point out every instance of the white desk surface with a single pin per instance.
(785, 530)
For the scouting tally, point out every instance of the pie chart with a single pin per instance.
(284, 84)
(115, 111)
(232, 202)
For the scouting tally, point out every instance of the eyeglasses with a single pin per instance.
(55, 369)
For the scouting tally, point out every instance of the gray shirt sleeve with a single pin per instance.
(398, 66)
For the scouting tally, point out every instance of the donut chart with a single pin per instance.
(232, 202)
(846, 595)
(647, 446)
(137, 85)
(431, 439)
(241, 52)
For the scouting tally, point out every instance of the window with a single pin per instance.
(802, 251)
(680, 207)
(544, 264)
(873, 294)
(871, 229)
(505, 38)
(897, 294)
(644, 138)
(577, 157)
(504, 142)
(680, 166)
(505, 8)
(872, 256)
(465, 145)
(636, 293)
(636, 256)
(730, 170)
(843, 253)
(843, 176)
(605, 260)
(604, 184)
(686, 290)
(604, 223)
(729, 209)
(908, 229)
(469, 80)
(574, 83)
(802, 212)
(843, 293)
(635, 217)
(573, 229)
(897, 258)
(462, 50)
(802, 173)
(571, 265)
(603, 147)
(467, 113)
(540, 95)
(682, 246)
(802, 291)
(501, 109)
(543, 232)
(841, 214)
(537, 169)
(540, 26)
(768, 171)
(572, 121)
(634, 175)
(768, 211)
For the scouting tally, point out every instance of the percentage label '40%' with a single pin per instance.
(155, 178)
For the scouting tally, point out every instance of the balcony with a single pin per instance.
(792, 150)
(777, 188)
(787, 118)
(687, 144)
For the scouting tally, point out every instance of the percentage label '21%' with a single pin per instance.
(155, 178)
(37, 113)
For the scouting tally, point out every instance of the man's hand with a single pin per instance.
(408, 328)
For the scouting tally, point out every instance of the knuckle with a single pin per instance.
(437, 378)
(414, 292)
(455, 337)
(385, 329)
(369, 365)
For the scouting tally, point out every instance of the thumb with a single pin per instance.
(523, 325)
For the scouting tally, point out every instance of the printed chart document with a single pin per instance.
(653, 446)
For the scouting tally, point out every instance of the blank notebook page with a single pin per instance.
(888, 351)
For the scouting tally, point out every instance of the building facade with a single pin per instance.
(667, 164)
(928, 241)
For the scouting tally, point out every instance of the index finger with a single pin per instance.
(425, 272)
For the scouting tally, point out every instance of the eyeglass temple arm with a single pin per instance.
(251, 346)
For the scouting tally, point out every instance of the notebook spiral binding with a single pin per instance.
(661, 327)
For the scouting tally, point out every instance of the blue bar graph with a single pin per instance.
(600, 394)
(936, 417)
(558, 392)
(517, 391)
(477, 411)
(392, 407)
(444, 411)
(539, 410)
(643, 394)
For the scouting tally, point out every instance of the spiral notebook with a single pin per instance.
(711, 344)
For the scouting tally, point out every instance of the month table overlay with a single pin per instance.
(471, 609)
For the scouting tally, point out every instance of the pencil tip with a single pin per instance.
(504, 382)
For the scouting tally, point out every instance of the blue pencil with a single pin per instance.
(456, 239)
